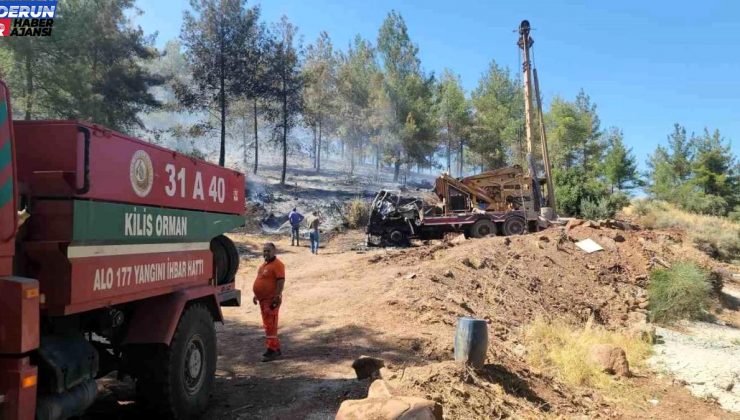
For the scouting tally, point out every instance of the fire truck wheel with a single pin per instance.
(482, 227)
(225, 259)
(515, 226)
(181, 378)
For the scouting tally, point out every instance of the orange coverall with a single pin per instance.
(265, 290)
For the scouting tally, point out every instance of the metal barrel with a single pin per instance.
(471, 341)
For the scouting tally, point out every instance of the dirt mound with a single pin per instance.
(510, 281)
(506, 388)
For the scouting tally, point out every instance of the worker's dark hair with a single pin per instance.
(270, 245)
(295, 208)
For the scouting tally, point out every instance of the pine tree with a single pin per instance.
(498, 121)
(101, 77)
(401, 64)
(216, 42)
(452, 112)
(357, 71)
(716, 171)
(592, 147)
(320, 72)
(286, 84)
(681, 152)
(619, 165)
(699, 174)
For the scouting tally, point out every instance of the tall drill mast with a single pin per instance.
(543, 140)
(525, 43)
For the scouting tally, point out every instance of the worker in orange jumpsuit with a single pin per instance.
(268, 293)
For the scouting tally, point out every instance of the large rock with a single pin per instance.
(636, 319)
(611, 359)
(380, 389)
(573, 223)
(459, 239)
(367, 367)
(390, 408)
(608, 243)
(644, 332)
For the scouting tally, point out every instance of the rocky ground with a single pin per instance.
(705, 356)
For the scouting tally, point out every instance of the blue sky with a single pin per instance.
(646, 64)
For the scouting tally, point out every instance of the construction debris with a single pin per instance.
(589, 246)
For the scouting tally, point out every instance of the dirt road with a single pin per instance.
(327, 320)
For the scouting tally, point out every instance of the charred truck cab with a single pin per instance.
(112, 258)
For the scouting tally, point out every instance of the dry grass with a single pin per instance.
(563, 351)
(358, 211)
(717, 236)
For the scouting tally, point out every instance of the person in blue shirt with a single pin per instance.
(295, 219)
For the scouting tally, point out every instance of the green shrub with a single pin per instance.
(617, 202)
(734, 215)
(573, 187)
(701, 203)
(358, 212)
(596, 210)
(642, 207)
(680, 292)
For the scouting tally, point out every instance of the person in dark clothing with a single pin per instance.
(295, 219)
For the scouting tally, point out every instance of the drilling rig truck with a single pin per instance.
(112, 258)
(506, 200)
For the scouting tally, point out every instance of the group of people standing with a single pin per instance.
(295, 220)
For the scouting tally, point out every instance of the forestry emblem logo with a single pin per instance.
(27, 18)
(141, 173)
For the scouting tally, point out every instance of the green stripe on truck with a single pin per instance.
(5, 156)
(6, 192)
(3, 113)
(104, 222)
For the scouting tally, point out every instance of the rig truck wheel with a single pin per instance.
(225, 259)
(514, 226)
(180, 378)
(398, 238)
(481, 228)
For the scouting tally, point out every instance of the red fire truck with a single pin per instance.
(112, 258)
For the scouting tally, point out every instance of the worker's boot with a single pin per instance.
(270, 355)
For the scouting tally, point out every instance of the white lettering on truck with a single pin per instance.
(140, 224)
(146, 273)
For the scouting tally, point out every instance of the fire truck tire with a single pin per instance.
(514, 226)
(482, 228)
(180, 378)
(225, 259)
